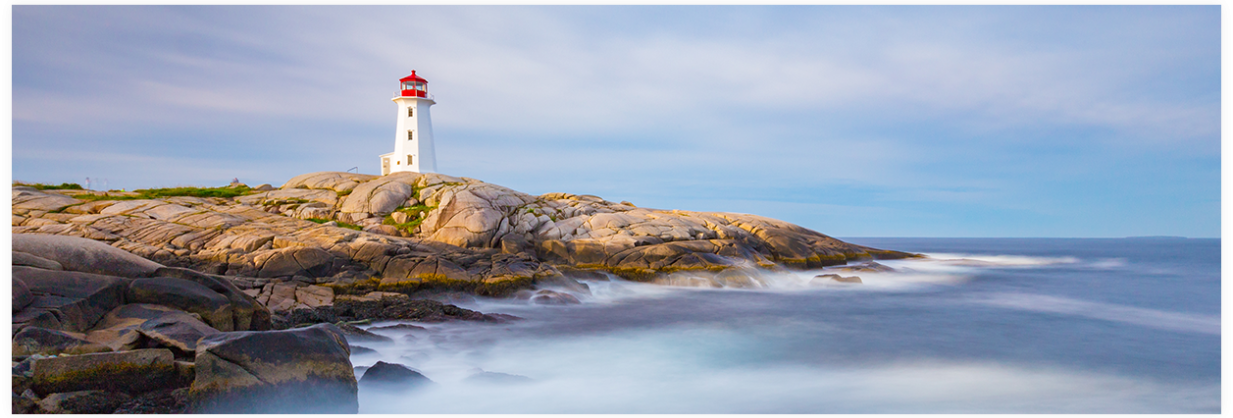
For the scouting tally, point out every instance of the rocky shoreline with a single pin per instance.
(209, 304)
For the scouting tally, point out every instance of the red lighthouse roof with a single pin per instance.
(413, 77)
(413, 86)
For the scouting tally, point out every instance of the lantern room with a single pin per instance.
(414, 86)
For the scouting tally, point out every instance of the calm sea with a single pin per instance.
(983, 325)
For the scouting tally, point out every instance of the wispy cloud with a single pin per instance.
(985, 100)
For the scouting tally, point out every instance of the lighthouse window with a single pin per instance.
(410, 112)
(408, 160)
(410, 135)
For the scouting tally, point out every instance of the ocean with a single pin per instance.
(981, 326)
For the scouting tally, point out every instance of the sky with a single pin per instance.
(1049, 121)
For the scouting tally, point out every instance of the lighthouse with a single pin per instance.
(413, 148)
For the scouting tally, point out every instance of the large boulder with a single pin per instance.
(129, 372)
(381, 195)
(393, 376)
(120, 329)
(247, 313)
(185, 295)
(177, 330)
(38, 340)
(471, 215)
(85, 255)
(302, 370)
(76, 300)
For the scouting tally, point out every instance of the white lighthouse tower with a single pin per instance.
(413, 148)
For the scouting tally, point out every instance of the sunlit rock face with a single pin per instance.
(409, 232)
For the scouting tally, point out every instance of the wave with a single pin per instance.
(688, 370)
(1171, 321)
(938, 269)
(989, 260)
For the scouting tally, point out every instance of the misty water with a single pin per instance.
(983, 325)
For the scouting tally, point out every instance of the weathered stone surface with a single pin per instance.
(246, 312)
(176, 330)
(358, 350)
(314, 296)
(77, 300)
(120, 328)
(89, 207)
(333, 180)
(25, 200)
(83, 402)
(304, 370)
(165, 401)
(290, 196)
(84, 255)
(382, 195)
(357, 334)
(31, 260)
(128, 372)
(38, 340)
(383, 230)
(392, 376)
(21, 295)
(309, 261)
(185, 295)
(281, 297)
(423, 310)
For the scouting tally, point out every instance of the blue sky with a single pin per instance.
(853, 121)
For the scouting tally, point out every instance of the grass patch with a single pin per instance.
(340, 223)
(41, 186)
(415, 217)
(94, 197)
(224, 192)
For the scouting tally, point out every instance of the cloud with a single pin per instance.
(988, 101)
(535, 70)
